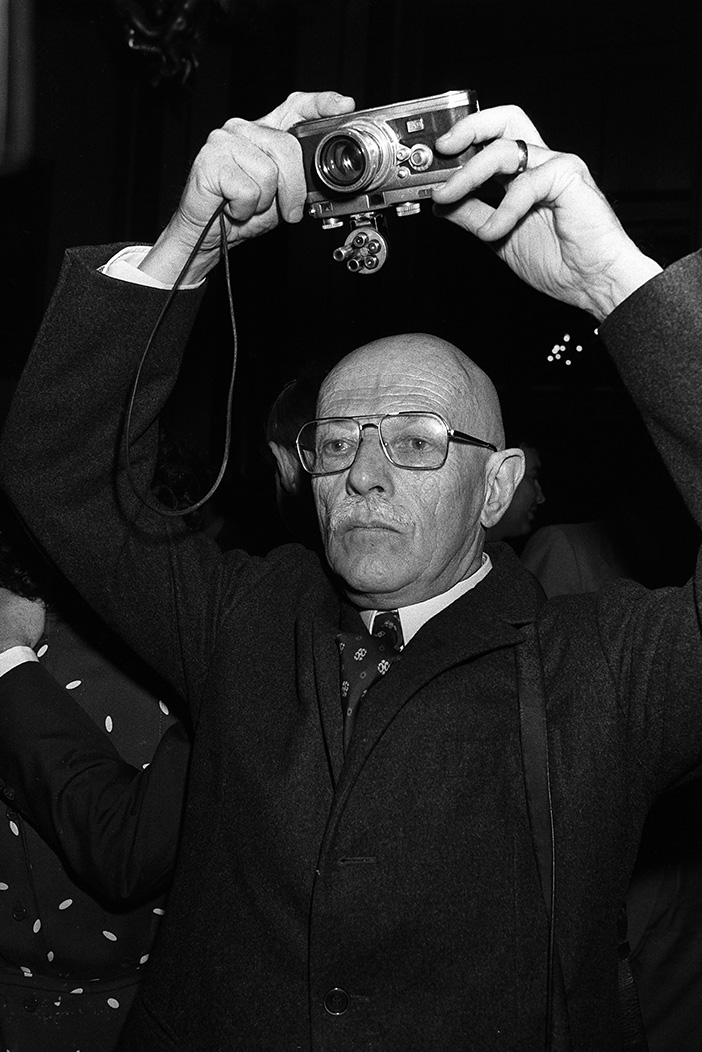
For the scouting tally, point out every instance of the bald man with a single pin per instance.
(397, 538)
(362, 864)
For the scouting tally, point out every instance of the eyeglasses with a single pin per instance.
(415, 441)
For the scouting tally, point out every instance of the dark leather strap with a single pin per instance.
(537, 783)
(633, 1032)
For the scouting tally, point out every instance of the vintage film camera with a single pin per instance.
(360, 163)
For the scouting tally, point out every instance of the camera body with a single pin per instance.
(382, 157)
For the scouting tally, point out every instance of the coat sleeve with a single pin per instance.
(114, 826)
(652, 639)
(654, 338)
(62, 463)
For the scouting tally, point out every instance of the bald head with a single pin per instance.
(414, 371)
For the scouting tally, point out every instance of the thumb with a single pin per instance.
(305, 106)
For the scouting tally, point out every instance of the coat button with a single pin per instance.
(9, 793)
(31, 1004)
(336, 1001)
(19, 912)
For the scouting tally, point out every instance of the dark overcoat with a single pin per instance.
(387, 901)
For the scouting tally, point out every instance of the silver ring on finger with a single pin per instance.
(523, 156)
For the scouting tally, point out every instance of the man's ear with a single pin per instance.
(505, 470)
(288, 467)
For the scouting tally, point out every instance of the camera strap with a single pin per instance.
(537, 784)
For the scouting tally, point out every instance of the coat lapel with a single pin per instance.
(485, 619)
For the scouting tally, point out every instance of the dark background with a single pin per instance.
(618, 83)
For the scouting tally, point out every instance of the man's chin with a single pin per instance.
(368, 575)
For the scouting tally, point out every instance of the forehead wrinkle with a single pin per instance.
(380, 394)
(414, 371)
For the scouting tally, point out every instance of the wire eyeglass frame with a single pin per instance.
(452, 435)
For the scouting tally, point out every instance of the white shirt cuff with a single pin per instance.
(124, 266)
(15, 656)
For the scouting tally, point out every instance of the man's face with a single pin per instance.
(397, 537)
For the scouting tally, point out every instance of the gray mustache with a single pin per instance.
(359, 511)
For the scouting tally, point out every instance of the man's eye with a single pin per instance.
(413, 444)
(336, 447)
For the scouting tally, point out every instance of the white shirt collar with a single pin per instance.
(413, 617)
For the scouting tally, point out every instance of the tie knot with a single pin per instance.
(387, 625)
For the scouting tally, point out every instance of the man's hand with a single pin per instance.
(21, 620)
(554, 227)
(256, 167)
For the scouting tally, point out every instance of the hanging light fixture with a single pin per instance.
(169, 32)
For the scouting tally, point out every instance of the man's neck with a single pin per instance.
(413, 616)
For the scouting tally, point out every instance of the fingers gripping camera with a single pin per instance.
(358, 164)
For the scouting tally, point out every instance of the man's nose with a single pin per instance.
(371, 469)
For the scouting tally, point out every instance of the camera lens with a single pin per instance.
(355, 157)
(342, 161)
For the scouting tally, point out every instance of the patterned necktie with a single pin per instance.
(365, 658)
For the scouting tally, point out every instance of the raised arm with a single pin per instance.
(64, 435)
(554, 227)
(254, 167)
(556, 230)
